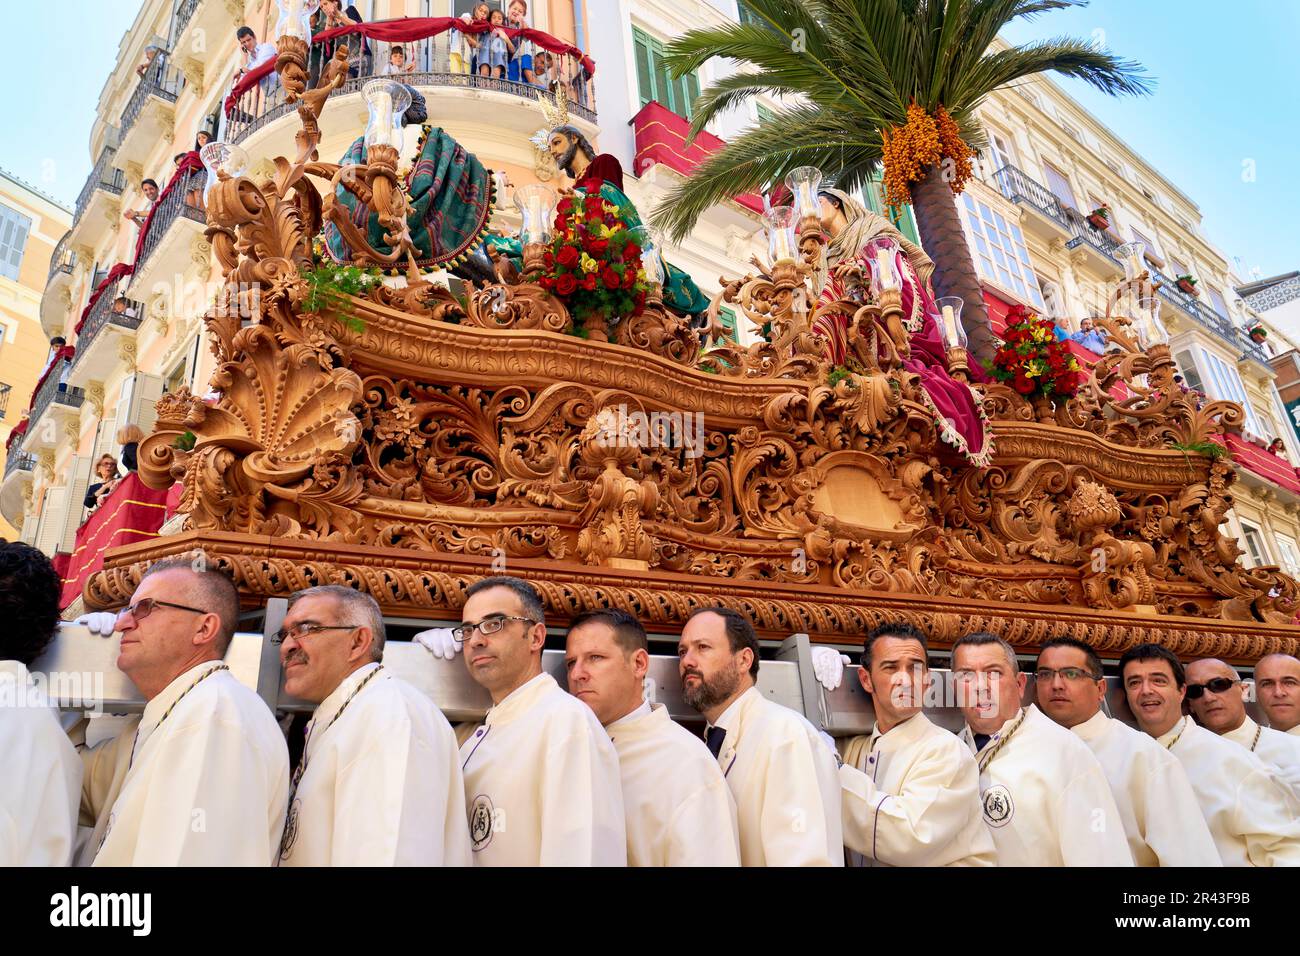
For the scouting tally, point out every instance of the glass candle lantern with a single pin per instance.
(387, 101)
(1130, 256)
(883, 254)
(780, 222)
(950, 327)
(295, 19)
(219, 157)
(804, 183)
(651, 260)
(1146, 322)
(536, 204)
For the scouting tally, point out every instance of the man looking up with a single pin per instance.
(1277, 682)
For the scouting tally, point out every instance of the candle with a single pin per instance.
(383, 112)
(886, 276)
(781, 247)
(950, 323)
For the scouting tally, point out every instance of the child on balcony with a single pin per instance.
(476, 41)
(495, 48)
(520, 67)
(397, 65)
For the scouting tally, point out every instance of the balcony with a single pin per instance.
(1048, 218)
(150, 111)
(197, 21)
(166, 247)
(483, 112)
(100, 202)
(99, 342)
(18, 477)
(52, 406)
(57, 299)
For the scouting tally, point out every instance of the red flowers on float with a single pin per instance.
(1033, 361)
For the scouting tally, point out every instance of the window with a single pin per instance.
(656, 82)
(14, 227)
(747, 16)
(1178, 268)
(1151, 252)
(462, 7)
(728, 318)
(1000, 254)
(5, 389)
(1216, 300)
(1224, 384)
(1059, 184)
(1071, 132)
(765, 115)
(1001, 152)
(1187, 366)
(1255, 548)
(1290, 554)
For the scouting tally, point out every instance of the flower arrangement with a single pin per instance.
(1099, 218)
(1032, 360)
(1257, 333)
(594, 263)
(330, 286)
(923, 141)
(1187, 284)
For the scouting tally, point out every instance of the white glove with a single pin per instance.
(103, 623)
(439, 642)
(828, 666)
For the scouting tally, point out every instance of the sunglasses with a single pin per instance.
(1216, 686)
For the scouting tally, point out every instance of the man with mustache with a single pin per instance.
(541, 775)
(1162, 819)
(1046, 800)
(1217, 700)
(679, 809)
(379, 781)
(1277, 682)
(910, 790)
(1251, 816)
(201, 778)
(782, 776)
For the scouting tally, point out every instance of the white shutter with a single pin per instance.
(51, 523)
(79, 473)
(106, 442)
(144, 396)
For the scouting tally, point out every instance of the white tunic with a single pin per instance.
(914, 800)
(1046, 800)
(205, 787)
(1273, 747)
(1162, 818)
(1295, 731)
(679, 809)
(542, 784)
(40, 776)
(1249, 812)
(382, 785)
(786, 785)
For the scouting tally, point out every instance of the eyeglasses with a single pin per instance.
(1216, 685)
(299, 631)
(489, 626)
(144, 607)
(1045, 674)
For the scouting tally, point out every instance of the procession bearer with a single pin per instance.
(541, 776)
(1162, 819)
(1045, 798)
(680, 811)
(379, 781)
(1277, 683)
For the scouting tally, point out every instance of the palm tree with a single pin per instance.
(855, 66)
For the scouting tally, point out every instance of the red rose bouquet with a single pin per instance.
(594, 263)
(1033, 361)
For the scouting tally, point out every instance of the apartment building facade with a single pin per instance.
(1049, 163)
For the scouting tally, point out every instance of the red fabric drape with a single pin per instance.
(64, 353)
(130, 514)
(18, 431)
(115, 273)
(188, 164)
(409, 29)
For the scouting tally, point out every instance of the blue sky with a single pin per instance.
(1227, 76)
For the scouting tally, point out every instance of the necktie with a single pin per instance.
(713, 737)
(981, 740)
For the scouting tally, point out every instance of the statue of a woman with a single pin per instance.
(845, 274)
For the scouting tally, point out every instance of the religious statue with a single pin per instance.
(845, 275)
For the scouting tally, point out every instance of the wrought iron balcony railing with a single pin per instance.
(5, 391)
(19, 461)
(51, 392)
(183, 14)
(185, 199)
(160, 80)
(63, 260)
(435, 59)
(1018, 187)
(104, 176)
(105, 312)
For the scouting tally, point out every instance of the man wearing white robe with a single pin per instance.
(40, 772)
(201, 778)
(379, 781)
(909, 790)
(680, 811)
(1251, 815)
(1162, 818)
(1045, 797)
(783, 777)
(1222, 709)
(1277, 684)
(542, 783)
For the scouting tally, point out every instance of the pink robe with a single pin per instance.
(956, 411)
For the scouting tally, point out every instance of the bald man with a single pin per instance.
(1277, 684)
(1217, 700)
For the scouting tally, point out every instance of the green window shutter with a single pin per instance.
(692, 94)
(644, 70)
(728, 318)
(656, 82)
(765, 115)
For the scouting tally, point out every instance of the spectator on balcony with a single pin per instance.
(1090, 337)
(1277, 447)
(332, 15)
(253, 54)
(496, 48)
(520, 67)
(56, 346)
(476, 41)
(397, 65)
(150, 54)
(106, 472)
(138, 216)
(129, 437)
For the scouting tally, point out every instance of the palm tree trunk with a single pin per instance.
(944, 239)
